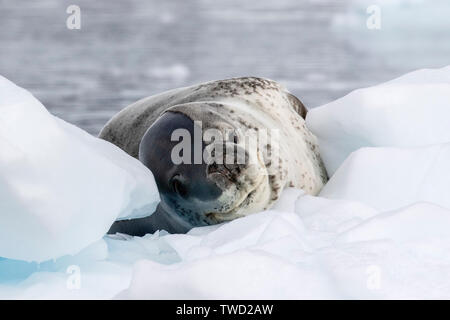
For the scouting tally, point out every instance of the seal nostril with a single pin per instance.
(179, 187)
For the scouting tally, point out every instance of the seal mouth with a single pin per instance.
(228, 215)
(243, 202)
(231, 214)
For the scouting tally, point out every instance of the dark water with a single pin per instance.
(127, 50)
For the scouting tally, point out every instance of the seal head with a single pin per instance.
(207, 186)
(218, 151)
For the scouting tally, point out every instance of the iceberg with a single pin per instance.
(368, 254)
(391, 178)
(310, 248)
(380, 228)
(409, 111)
(60, 188)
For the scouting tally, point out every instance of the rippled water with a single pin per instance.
(127, 50)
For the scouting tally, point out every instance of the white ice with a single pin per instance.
(323, 249)
(380, 229)
(390, 178)
(60, 188)
(410, 111)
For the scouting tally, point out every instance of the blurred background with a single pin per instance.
(126, 50)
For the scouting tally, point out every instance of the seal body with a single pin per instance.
(208, 188)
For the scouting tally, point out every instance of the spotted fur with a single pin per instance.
(242, 103)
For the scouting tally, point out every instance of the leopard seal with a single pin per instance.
(197, 193)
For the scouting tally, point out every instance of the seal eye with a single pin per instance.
(178, 186)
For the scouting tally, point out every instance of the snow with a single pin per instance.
(409, 111)
(380, 229)
(360, 253)
(390, 178)
(60, 188)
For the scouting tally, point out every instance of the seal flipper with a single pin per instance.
(159, 220)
